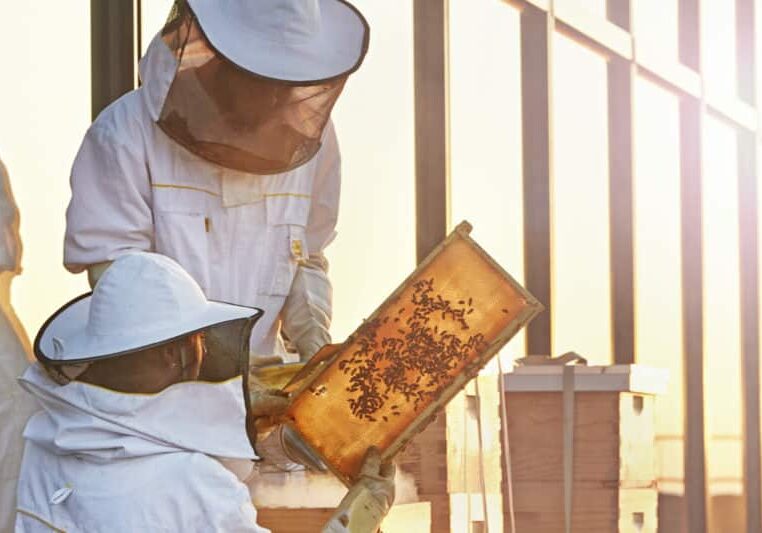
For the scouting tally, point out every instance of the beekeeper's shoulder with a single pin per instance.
(123, 121)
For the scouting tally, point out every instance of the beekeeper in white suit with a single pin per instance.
(139, 410)
(15, 405)
(225, 159)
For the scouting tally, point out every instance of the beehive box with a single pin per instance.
(401, 519)
(614, 477)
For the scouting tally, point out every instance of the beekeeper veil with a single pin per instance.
(256, 80)
(146, 327)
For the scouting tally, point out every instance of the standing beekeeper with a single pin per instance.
(226, 160)
(139, 411)
(15, 405)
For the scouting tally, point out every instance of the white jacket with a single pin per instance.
(242, 237)
(101, 461)
(15, 405)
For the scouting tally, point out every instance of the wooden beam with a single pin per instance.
(536, 64)
(113, 59)
(431, 129)
(621, 76)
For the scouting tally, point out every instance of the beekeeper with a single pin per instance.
(226, 160)
(15, 405)
(130, 437)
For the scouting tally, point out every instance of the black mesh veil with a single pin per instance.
(215, 354)
(236, 118)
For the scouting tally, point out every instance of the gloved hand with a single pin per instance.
(285, 450)
(368, 501)
(270, 403)
(378, 478)
(306, 313)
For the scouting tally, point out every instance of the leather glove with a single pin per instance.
(368, 501)
(306, 314)
(285, 450)
(270, 403)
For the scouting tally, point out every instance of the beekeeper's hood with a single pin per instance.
(252, 83)
(126, 364)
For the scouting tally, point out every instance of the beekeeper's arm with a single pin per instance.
(109, 212)
(368, 501)
(306, 314)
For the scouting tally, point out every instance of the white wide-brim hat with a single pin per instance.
(286, 40)
(142, 300)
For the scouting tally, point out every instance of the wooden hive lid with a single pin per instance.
(614, 378)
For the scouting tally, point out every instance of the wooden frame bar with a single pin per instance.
(113, 50)
(431, 124)
(527, 311)
(536, 64)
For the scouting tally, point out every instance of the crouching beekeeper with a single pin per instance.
(143, 401)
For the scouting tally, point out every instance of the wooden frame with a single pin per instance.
(310, 387)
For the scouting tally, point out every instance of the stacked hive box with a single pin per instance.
(614, 478)
(452, 465)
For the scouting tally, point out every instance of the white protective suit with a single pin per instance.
(102, 461)
(15, 405)
(244, 238)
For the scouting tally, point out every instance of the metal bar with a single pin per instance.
(112, 37)
(596, 32)
(748, 224)
(431, 130)
(620, 112)
(692, 306)
(619, 12)
(536, 49)
(674, 75)
(735, 111)
(691, 120)
(746, 51)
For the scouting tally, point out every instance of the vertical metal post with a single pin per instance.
(431, 124)
(748, 221)
(749, 227)
(432, 168)
(693, 325)
(536, 65)
(621, 76)
(691, 120)
(112, 34)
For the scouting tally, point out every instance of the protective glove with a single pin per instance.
(306, 314)
(368, 501)
(285, 450)
(269, 403)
